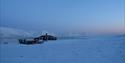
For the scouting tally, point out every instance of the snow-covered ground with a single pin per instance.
(90, 50)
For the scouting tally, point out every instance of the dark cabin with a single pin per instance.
(24, 41)
(46, 37)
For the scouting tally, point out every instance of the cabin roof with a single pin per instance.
(47, 36)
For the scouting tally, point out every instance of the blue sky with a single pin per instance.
(98, 16)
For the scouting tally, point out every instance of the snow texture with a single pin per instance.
(90, 50)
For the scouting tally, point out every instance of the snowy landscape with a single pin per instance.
(62, 31)
(93, 49)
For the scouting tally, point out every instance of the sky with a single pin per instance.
(94, 16)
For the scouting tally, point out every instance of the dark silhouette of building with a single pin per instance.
(46, 37)
(37, 39)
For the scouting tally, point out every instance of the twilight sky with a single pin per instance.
(96, 16)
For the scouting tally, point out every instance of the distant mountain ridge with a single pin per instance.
(6, 32)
